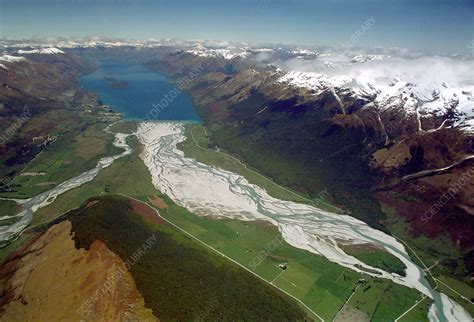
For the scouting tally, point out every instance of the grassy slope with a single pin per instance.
(60, 162)
(179, 279)
(326, 286)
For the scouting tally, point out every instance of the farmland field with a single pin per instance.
(59, 162)
(321, 285)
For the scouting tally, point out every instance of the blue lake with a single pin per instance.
(134, 90)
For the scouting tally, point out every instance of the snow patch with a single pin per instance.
(226, 53)
(12, 59)
(44, 51)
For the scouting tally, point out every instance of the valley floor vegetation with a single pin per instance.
(323, 286)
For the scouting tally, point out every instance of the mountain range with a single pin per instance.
(385, 135)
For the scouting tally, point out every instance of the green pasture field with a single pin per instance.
(70, 155)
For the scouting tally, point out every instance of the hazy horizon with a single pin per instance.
(431, 26)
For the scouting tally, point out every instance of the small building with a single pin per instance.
(283, 266)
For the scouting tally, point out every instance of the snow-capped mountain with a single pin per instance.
(43, 51)
(431, 86)
(303, 53)
(226, 53)
(10, 59)
(365, 58)
(423, 98)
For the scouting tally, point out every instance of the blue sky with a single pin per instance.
(430, 25)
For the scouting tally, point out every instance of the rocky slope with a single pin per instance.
(51, 271)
